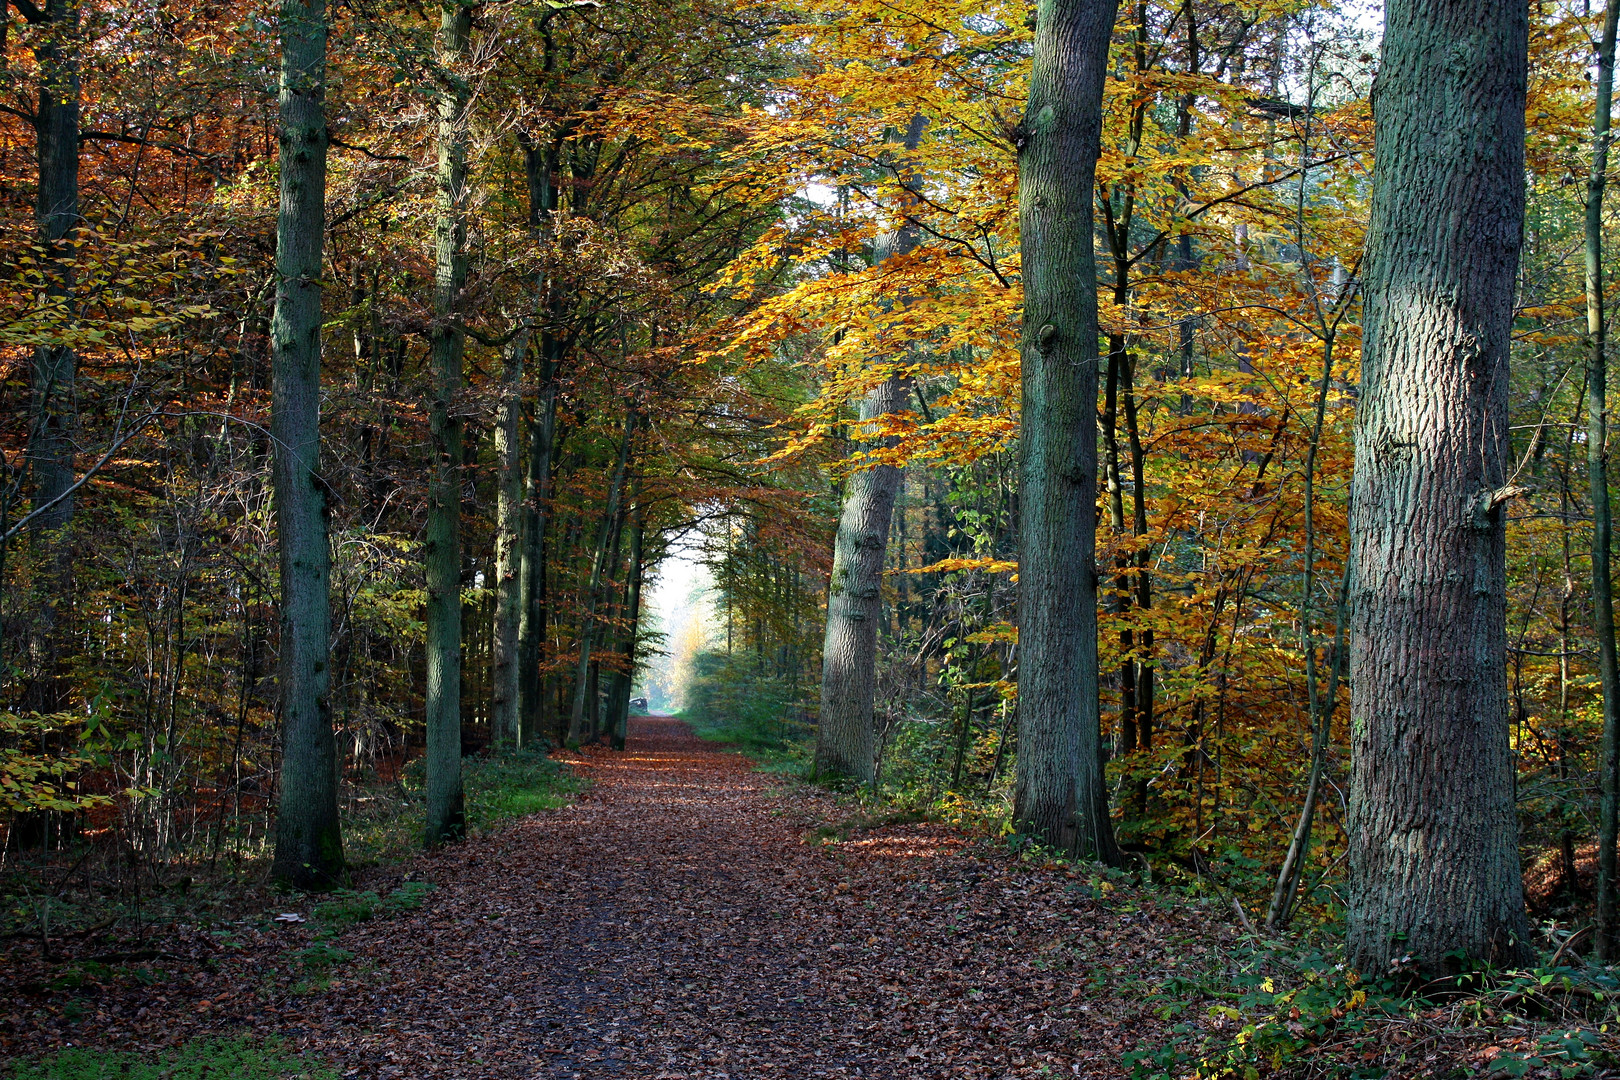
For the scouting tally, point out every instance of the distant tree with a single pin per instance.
(854, 594)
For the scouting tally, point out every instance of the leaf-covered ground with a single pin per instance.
(683, 920)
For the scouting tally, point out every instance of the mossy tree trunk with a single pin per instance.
(1060, 798)
(1597, 471)
(309, 843)
(446, 815)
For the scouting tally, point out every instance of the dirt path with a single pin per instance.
(674, 923)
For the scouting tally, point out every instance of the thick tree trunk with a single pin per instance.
(1433, 834)
(56, 131)
(446, 816)
(1597, 470)
(52, 405)
(844, 739)
(1060, 798)
(509, 522)
(577, 729)
(309, 844)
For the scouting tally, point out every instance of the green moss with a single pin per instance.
(200, 1059)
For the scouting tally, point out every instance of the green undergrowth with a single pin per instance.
(728, 701)
(499, 787)
(348, 908)
(200, 1059)
(1270, 1010)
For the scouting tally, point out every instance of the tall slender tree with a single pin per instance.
(309, 842)
(446, 816)
(623, 684)
(1597, 471)
(1060, 798)
(579, 727)
(1433, 834)
(844, 736)
(505, 675)
(540, 164)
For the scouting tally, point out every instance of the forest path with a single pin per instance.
(675, 923)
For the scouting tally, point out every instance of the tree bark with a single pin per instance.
(56, 132)
(1060, 798)
(509, 523)
(446, 815)
(1433, 834)
(309, 842)
(577, 728)
(844, 740)
(1597, 470)
(638, 528)
(540, 167)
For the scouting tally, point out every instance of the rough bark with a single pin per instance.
(309, 844)
(1433, 855)
(509, 522)
(844, 738)
(1597, 471)
(446, 816)
(1060, 798)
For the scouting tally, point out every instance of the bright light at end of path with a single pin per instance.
(681, 607)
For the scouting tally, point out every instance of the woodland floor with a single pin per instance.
(682, 920)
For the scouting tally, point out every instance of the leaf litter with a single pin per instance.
(685, 920)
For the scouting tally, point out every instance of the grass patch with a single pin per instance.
(200, 1059)
(499, 787)
(348, 908)
(509, 786)
(775, 744)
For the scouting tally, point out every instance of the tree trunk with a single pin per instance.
(56, 131)
(1060, 798)
(577, 732)
(540, 167)
(309, 843)
(1597, 468)
(1433, 849)
(446, 815)
(52, 406)
(844, 742)
(509, 522)
(638, 527)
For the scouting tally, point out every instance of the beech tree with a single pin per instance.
(1433, 838)
(1060, 797)
(446, 816)
(309, 846)
(849, 650)
(1597, 471)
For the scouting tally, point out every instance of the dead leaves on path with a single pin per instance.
(684, 920)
